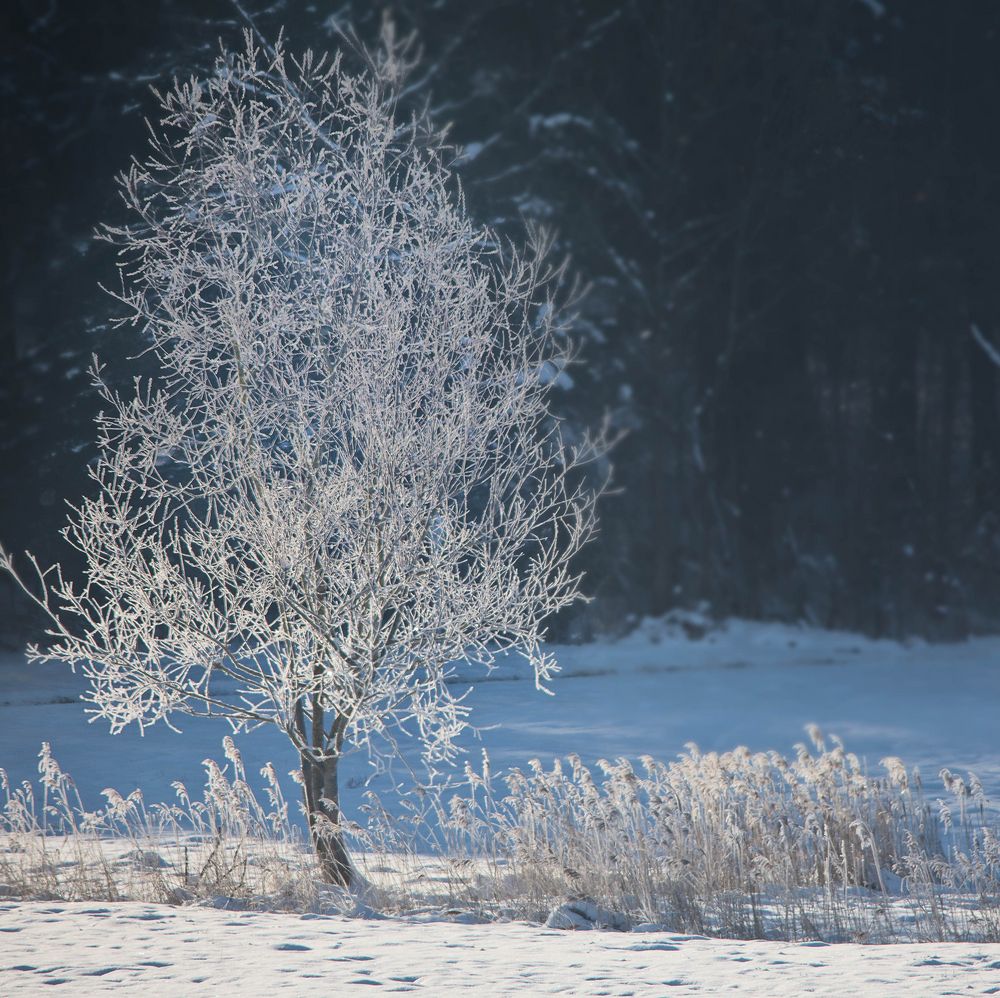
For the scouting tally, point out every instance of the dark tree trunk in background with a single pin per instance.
(985, 445)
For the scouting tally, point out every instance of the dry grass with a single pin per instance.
(738, 844)
(226, 846)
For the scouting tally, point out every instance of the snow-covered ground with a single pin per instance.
(745, 683)
(88, 949)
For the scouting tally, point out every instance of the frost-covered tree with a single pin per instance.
(346, 476)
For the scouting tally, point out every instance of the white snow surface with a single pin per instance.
(742, 683)
(88, 949)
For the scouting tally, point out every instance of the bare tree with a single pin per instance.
(346, 476)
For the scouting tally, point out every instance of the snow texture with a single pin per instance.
(669, 683)
(89, 949)
(582, 913)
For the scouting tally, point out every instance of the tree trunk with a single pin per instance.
(322, 797)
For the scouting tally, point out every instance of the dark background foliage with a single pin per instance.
(787, 214)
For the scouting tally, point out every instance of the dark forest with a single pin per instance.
(786, 215)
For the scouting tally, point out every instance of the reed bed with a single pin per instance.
(737, 844)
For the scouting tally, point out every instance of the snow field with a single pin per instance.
(86, 949)
(667, 684)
